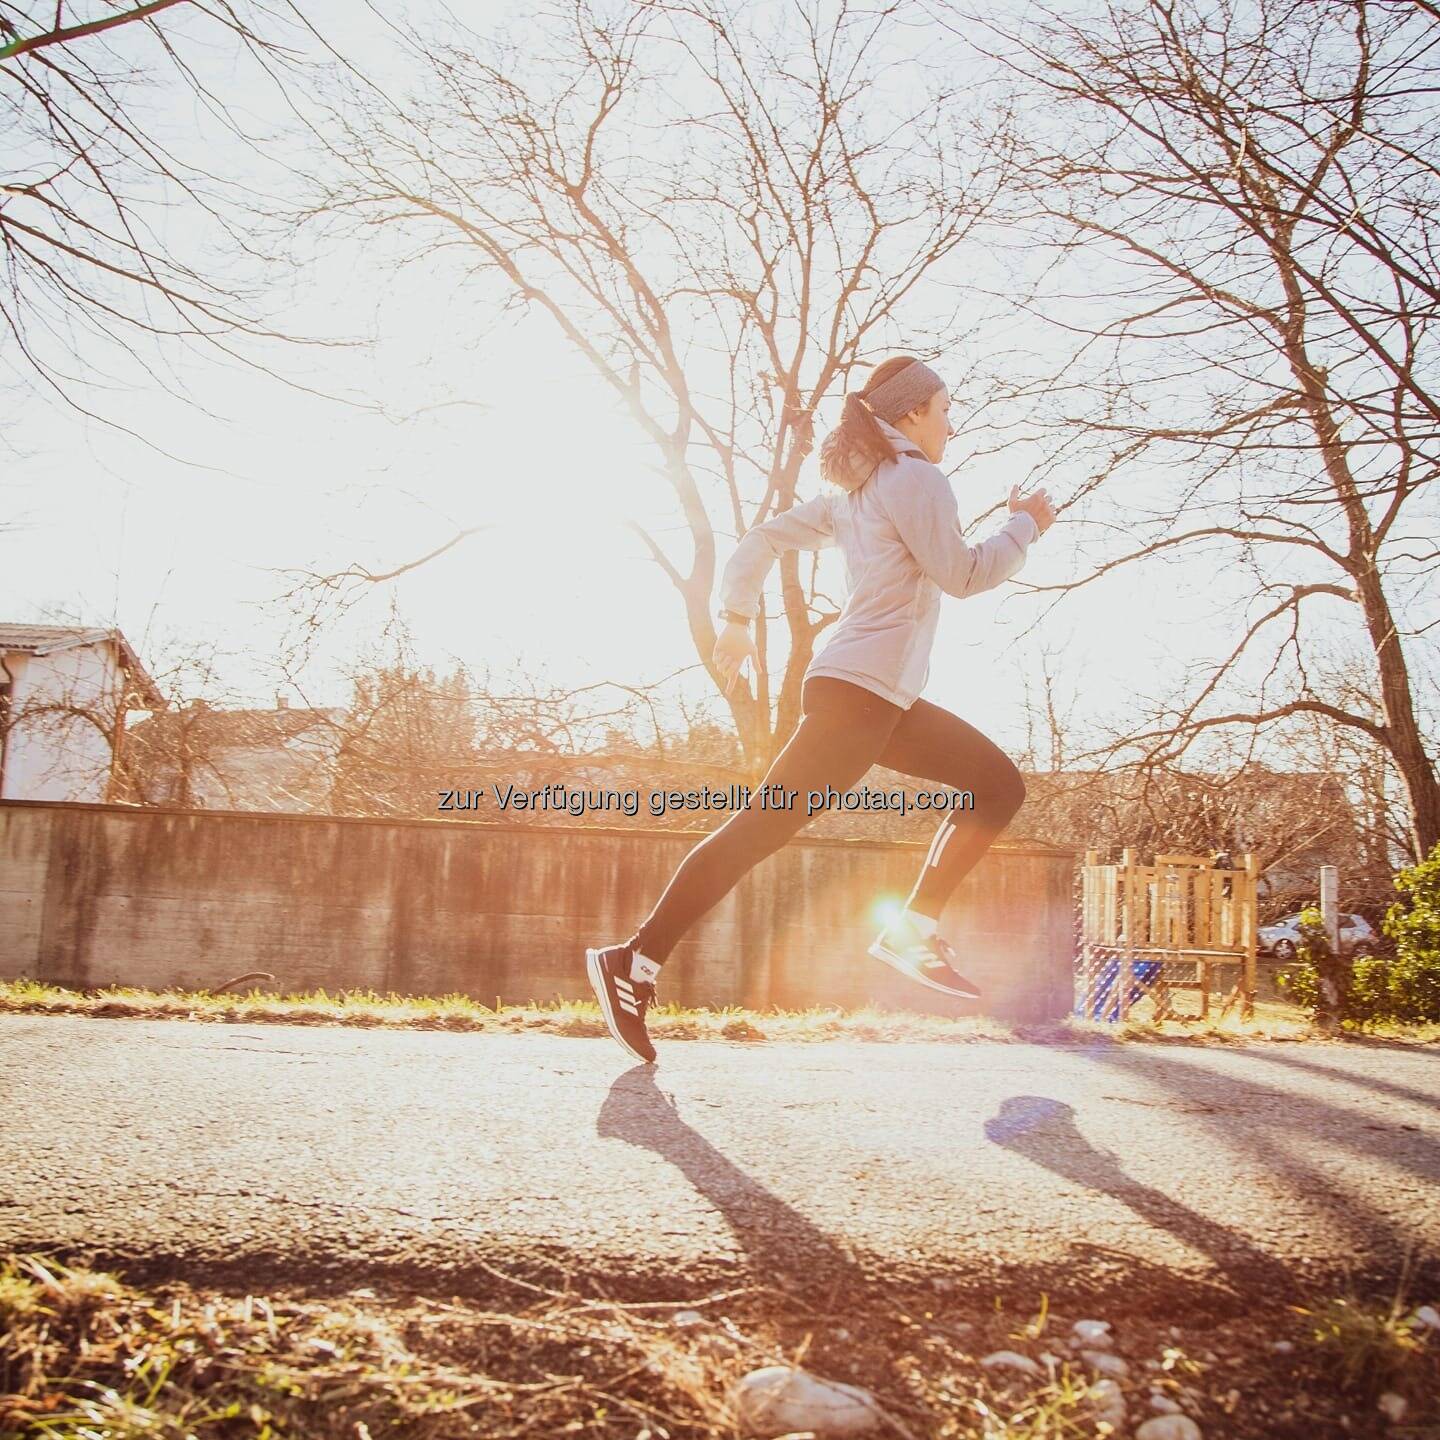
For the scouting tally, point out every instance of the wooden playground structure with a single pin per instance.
(1142, 923)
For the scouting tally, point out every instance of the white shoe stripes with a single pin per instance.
(897, 961)
(596, 970)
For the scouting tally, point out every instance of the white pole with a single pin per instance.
(1330, 905)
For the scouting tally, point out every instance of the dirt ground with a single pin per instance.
(527, 1359)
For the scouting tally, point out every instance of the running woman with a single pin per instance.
(892, 513)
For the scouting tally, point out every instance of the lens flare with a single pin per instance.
(887, 910)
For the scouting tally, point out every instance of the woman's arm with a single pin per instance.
(806, 527)
(922, 508)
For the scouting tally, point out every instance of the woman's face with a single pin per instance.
(929, 426)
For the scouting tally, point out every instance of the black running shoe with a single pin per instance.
(623, 998)
(930, 961)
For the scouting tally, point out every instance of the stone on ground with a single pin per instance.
(1103, 1363)
(1169, 1427)
(1093, 1334)
(1108, 1402)
(1393, 1406)
(1012, 1360)
(781, 1399)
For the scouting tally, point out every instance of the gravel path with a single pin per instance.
(424, 1158)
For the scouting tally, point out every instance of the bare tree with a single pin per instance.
(95, 280)
(410, 730)
(405, 731)
(1242, 201)
(1318, 796)
(722, 210)
(1292, 820)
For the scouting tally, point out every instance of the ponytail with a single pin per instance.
(851, 452)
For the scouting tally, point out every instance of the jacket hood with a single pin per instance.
(841, 465)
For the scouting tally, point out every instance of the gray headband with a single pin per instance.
(903, 392)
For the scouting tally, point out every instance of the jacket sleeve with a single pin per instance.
(922, 508)
(805, 527)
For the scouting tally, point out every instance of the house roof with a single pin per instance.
(209, 728)
(50, 639)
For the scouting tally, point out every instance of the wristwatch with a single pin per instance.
(730, 617)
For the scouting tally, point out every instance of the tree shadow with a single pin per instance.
(1275, 1127)
(778, 1242)
(1363, 1082)
(1271, 1108)
(1044, 1131)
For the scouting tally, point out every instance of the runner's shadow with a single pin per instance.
(776, 1239)
(1044, 1131)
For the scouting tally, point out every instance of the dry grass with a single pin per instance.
(85, 1356)
(1272, 1021)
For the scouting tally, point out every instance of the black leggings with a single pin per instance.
(844, 730)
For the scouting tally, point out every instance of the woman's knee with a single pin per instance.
(998, 793)
(1009, 792)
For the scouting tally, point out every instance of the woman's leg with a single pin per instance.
(843, 729)
(932, 744)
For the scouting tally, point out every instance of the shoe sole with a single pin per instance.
(895, 963)
(596, 971)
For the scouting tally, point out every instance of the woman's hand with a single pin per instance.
(1036, 506)
(733, 646)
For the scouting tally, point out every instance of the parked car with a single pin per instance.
(1282, 938)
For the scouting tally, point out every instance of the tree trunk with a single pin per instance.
(1401, 730)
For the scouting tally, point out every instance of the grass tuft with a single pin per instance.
(1059, 1410)
(1369, 1347)
(455, 1012)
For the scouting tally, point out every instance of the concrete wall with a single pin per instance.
(95, 895)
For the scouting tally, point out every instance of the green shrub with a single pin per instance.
(1412, 979)
(1369, 997)
(1301, 980)
(1402, 987)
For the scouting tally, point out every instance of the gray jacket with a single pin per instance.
(899, 532)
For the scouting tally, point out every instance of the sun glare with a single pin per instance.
(887, 910)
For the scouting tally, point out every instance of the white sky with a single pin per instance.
(186, 549)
